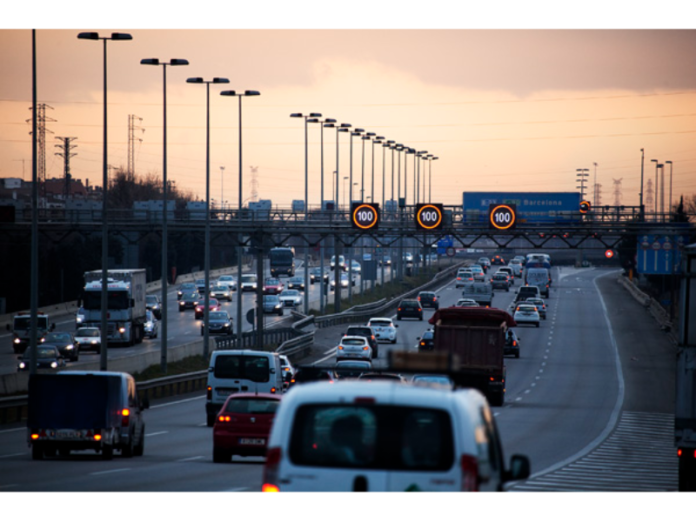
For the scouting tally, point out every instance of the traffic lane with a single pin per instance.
(572, 395)
(177, 457)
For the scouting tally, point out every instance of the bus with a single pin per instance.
(282, 260)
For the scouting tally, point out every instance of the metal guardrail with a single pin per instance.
(655, 309)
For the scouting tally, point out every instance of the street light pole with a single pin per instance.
(656, 167)
(670, 186)
(431, 158)
(642, 209)
(104, 333)
(173, 62)
(328, 122)
(206, 311)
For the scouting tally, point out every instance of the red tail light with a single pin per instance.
(125, 417)
(470, 478)
(35, 436)
(514, 343)
(270, 471)
(679, 450)
(209, 393)
(419, 298)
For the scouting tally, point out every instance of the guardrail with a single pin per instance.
(655, 309)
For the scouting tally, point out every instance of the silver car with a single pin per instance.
(354, 347)
(291, 298)
(151, 325)
(222, 291)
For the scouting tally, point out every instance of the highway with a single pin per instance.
(577, 404)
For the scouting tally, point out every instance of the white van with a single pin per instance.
(538, 277)
(385, 436)
(240, 371)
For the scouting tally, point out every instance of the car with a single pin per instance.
(355, 266)
(344, 282)
(512, 344)
(384, 328)
(426, 342)
(526, 314)
(463, 277)
(368, 333)
(288, 369)
(249, 282)
(479, 275)
(152, 302)
(341, 262)
(354, 347)
(228, 280)
(151, 325)
(65, 342)
(408, 257)
(291, 298)
(521, 259)
(213, 306)
(428, 300)
(220, 322)
(500, 280)
(354, 435)
(47, 357)
(79, 317)
(272, 304)
(240, 371)
(466, 302)
(507, 271)
(386, 260)
(200, 286)
(433, 379)
(243, 425)
(526, 292)
(484, 262)
(185, 288)
(306, 374)
(296, 282)
(222, 291)
(517, 267)
(88, 338)
(351, 368)
(497, 260)
(315, 274)
(273, 286)
(540, 305)
(189, 300)
(409, 308)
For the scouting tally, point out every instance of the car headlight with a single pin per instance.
(182, 303)
(227, 325)
(69, 347)
(277, 306)
(54, 364)
(17, 340)
(22, 365)
(94, 341)
(80, 319)
(122, 330)
(148, 324)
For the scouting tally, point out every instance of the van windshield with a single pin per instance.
(251, 367)
(372, 437)
(24, 323)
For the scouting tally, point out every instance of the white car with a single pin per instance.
(88, 338)
(222, 291)
(527, 314)
(229, 280)
(249, 282)
(479, 274)
(355, 266)
(463, 277)
(466, 302)
(291, 298)
(354, 347)
(384, 328)
(516, 266)
(151, 325)
(382, 435)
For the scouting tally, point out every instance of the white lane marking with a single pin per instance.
(518, 399)
(13, 429)
(236, 489)
(527, 391)
(156, 433)
(177, 402)
(13, 455)
(324, 359)
(537, 377)
(203, 424)
(110, 471)
(330, 350)
(190, 458)
(534, 384)
(543, 364)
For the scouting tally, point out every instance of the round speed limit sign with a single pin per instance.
(365, 215)
(429, 216)
(502, 217)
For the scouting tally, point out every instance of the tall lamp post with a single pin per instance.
(657, 166)
(670, 187)
(240, 95)
(311, 117)
(642, 209)
(343, 128)
(172, 62)
(328, 122)
(206, 311)
(431, 158)
(103, 353)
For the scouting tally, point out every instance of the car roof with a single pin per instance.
(351, 337)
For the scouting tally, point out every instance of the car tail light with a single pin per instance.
(97, 436)
(209, 393)
(273, 390)
(434, 299)
(419, 298)
(398, 309)
(422, 343)
(225, 418)
(469, 470)
(365, 347)
(340, 347)
(35, 436)
(125, 417)
(270, 471)
(514, 343)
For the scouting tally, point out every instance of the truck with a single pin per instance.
(482, 293)
(21, 330)
(125, 307)
(282, 261)
(474, 339)
(84, 410)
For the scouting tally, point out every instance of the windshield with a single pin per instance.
(272, 282)
(58, 336)
(281, 257)
(192, 296)
(116, 300)
(218, 316)
(248, 279)
(24, 323)
(270, 299)
(352, 342)
(252, 367)
(380, 323)
(87, 332)
(289, 293)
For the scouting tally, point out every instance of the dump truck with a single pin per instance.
(475, 338)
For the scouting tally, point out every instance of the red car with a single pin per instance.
(273, 286)
(243, 425)
(213, 307)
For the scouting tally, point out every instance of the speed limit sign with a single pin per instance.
(364, 215)
(502, 217)
(429, 216)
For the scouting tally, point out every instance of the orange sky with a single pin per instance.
(502, 109)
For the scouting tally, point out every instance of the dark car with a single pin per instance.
(152, 302)
(243, 425)
(498, 260)
(296, 283)
(428, 300)
(500, 280)
(65, 342)
(368, 333)
(512, 344)
(351, 369)
(426, 342)
(220, 322)
(272, 304)
(200, 285)
(409, 308)
(315, 275)
(47, 356)
(306, 374)
(185, 288)
(189, 300)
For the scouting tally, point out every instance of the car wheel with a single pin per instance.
(107, 452)
(37, 452)
(420, 317)
(517, 354)
(127, 451)
(507, 289)
(398, 318)
(181, 308)
(210, 420)
(139, 448)
(220, 455)
(64, 452)
(202, 332)
(394, 340)
(537, 325)
(76, 358)
(98, 351)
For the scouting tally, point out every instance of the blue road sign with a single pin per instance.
(531, 207)
(659, 254)
(443, 244)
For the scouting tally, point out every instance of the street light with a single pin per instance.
(343, 128)
(239, 216)
(657, 165)
(670, 185)
(421, 195)
(206, 311)
(375, 141)
(173, 62)
(367, 136)
(431, 158)
(345, 178)
(328, 122)
(105, 186)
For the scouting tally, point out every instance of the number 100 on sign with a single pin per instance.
(502, 217)
(365, 215)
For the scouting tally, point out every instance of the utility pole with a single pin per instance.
(131, 142)
(617, 192)
(66, 147)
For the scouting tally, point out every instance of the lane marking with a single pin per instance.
(13, 429)
(156, 433)
(110, 471)
(13, 455)
(176, 402)
(189, 459)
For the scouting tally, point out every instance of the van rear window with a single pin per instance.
(252, 367)
(251, 406)
(372, 437)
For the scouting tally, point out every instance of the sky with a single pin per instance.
(504, 106)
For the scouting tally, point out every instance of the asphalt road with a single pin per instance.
(573, 405)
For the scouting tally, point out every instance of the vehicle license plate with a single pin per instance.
(253, 442)
(68, 434)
